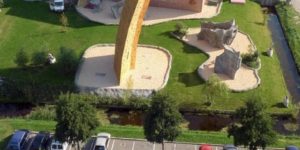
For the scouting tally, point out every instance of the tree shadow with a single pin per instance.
(4, 142)
(39, 11)
(186, 48)
(190, 79)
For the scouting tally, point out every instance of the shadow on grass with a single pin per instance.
(190, 79)
(187, 48)
(4, 142)
(39, 11)
(279, 105)
(47, 74)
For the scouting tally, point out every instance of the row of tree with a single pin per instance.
(76, 122)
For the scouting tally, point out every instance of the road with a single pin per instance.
(296, 4)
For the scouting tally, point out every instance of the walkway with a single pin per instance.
(287, 63)
(296, 4)
(155, 15)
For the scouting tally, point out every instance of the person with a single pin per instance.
(51, 59)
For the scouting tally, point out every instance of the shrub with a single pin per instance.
(181, 29)
(21, 58)
(43, 113)
(1, 3)
(100, 101)
(251, 59)
(67, 61)
(214, 88)
(39, 58)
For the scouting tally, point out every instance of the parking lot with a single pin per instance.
(133, 144)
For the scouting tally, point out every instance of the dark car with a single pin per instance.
(229, 147)
(18, 140)
(291, 148)
(40, 141)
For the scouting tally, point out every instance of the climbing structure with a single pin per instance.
(128, 37)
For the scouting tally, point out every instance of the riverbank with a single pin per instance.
(9, 125)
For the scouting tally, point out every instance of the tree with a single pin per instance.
(162, 120)
(254, 126)
(214, 88)
(67, 61)
(64, 22)
(21, 58)
(39, 57)
(76, 119)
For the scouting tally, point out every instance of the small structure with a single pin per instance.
(238, 1)
(218, 34)
(228, 63)
(51, 59)
(286, 101)
(270, 52)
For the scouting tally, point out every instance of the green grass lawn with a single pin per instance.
(290, 20)
(7, 126)
(33, 27)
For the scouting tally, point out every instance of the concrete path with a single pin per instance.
(296, 4)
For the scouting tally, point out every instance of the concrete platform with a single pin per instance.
(151, 73)
(155, 15)
(246, 78)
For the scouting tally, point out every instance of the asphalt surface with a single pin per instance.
(134, 144)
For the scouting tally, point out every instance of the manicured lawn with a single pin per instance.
(7, 126)
(290, 20)
(31, 26)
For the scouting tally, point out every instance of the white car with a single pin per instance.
(57, 5)
(56, 145)
(102, 141)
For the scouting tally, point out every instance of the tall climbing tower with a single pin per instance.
(128, 36)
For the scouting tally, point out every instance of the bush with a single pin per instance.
(214, 88)
(251, 59)
(21, 58)
(39, 58)
(1, 3)
(43, 113)
(67, 61)
(181, 29)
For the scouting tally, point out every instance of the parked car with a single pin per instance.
(40, 141)
(18, 140)
(291, 147)
(205, 147)
(229, 147)
(102, 141)
(57, 5)
(56, 145)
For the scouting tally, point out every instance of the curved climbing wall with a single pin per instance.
(128, 36)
